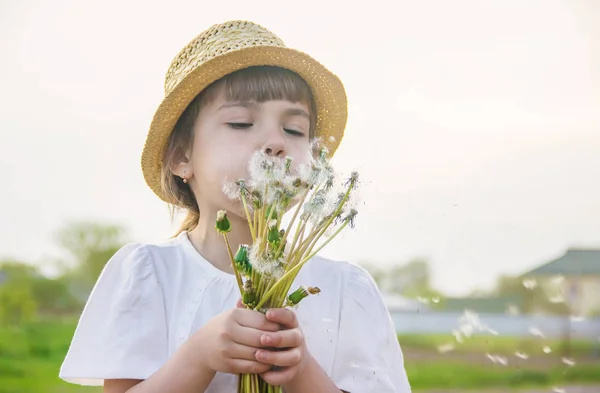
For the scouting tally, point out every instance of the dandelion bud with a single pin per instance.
(242, 262)
(222, 225)
(295, 297)
(273, 235)
(249, 296)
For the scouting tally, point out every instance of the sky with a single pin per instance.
(475, 126)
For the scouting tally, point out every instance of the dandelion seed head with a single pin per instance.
(231, 190)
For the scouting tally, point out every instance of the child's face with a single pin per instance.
(226, 134)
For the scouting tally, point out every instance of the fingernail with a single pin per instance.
(266, 339)
(270, 314)
(261, 355)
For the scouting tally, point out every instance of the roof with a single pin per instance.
(499, 304)
(575, 262)
(395, 302)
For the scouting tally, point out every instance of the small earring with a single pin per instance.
(185, 180)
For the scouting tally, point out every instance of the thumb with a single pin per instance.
(240, 304)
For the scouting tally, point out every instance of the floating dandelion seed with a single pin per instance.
(521, 355)
(558, 279)
(529, 283)
(568, 362)
(497, 359)
(557, 299)
(445, 348)
(492, 331)
(423, 299)
(575, 318)
(435, 299)
(512, 309)
(457, 335)
(331, 139)
(556, 389)
(536, 332)
(547, 349)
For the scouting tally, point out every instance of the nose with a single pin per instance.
(274, 146)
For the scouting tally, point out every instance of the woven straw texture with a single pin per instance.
(221, 50)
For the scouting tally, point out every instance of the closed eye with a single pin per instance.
(240, 126)
(294, 132)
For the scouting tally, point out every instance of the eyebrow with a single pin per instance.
(248, 104)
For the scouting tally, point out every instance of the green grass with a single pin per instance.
(501, 345)
(454, 375)
(31, 355)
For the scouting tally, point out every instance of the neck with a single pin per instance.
(211, 244)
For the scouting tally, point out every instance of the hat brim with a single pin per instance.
(327, 90)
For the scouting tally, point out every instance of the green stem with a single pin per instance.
(291, 275)
(235, 271)
(250, 223)
(293, 218)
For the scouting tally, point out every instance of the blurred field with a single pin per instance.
(31, 354)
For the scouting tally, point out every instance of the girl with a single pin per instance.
(166, 317)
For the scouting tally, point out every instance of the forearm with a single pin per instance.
(312, 379)
(183, 373)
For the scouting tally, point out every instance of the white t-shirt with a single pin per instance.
(150, 298)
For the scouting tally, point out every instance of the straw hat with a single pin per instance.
(221, 50)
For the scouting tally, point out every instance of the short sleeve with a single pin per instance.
(122, 331)
(368, 356)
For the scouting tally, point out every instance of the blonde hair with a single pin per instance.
(257, 84)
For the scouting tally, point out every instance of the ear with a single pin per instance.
(183, 168)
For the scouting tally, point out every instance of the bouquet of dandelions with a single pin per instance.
(266, 269)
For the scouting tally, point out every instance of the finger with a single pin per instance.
(240, 366)
(278, 377)
(246, 336)
(287, 358)
(283, 316)
(240, 304)
(238, 351)
(256, 320)
(282, 339)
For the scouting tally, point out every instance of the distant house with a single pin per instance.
(579, 273)
(395, 302)
(492, 304)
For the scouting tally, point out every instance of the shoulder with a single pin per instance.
(353, 278)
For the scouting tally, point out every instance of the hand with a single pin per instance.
(228, 343)
(285, 348)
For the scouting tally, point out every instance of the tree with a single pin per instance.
(535, 294)
(17, 300)
(412, 279)
(88, 247)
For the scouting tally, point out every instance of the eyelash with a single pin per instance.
(243, 126)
